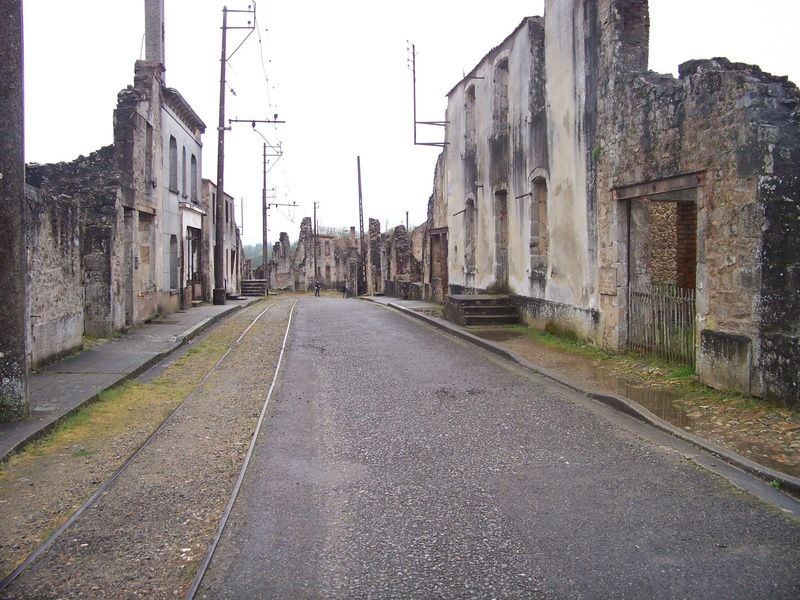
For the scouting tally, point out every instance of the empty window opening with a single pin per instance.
(194, 180)
(501, 238)
(148, 158)
(471, 117)
(173, 262)
(539, 233)
(184, 186)
(173, 164)
(470, 234)
(500, 109)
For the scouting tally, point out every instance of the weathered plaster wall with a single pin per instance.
(487, 164)
(179, 194)
(56, 277)
(571, 275)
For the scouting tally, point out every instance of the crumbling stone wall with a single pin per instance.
(93, 182)
(401, 249)
(56, 277)
(418, 237)
(375, 272)
(435, 289)
(738, 127)
(281, 267)
(663, 237)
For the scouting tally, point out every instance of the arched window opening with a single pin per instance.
(500, 109)
(539, 234)
(471, 123)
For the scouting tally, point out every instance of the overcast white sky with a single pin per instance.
(337, 73)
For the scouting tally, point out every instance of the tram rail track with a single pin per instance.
(105, 586)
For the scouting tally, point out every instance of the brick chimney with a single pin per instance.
(154, 31)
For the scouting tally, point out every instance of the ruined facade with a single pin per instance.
(141, 208)
(336, 261)
(573, 176)
(233, 252)
(136, 211)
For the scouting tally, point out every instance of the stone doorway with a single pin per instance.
(662, 265)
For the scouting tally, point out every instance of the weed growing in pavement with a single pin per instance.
(776, 484)
(83, 452)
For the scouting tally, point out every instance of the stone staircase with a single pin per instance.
(481, 310)
(254, 287)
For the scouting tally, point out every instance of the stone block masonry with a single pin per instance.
(56, 286)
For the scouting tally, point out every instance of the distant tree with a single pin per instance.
(254, 253)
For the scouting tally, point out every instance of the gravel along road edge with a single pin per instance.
(147, 530)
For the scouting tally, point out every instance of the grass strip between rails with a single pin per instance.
(44, 484)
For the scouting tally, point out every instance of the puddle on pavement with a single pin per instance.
(497, 335)
(659, 402)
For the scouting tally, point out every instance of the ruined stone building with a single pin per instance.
(233, 250)
(606, 199)
(394, 261)
(336, 261)
(126, 234)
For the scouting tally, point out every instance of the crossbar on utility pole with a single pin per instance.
(219, 206)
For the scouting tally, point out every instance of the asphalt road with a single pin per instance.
(398, 462)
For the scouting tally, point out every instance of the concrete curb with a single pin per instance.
(788, 483)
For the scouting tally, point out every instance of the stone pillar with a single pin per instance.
(14, 316)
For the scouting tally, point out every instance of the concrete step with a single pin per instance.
(254, 287)
(481, 309)
(489, 320)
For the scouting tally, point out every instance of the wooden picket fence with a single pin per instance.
(661, 321)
